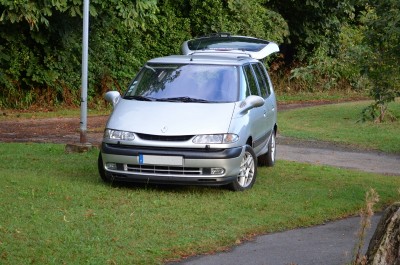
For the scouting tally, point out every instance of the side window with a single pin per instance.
(262, 81)
(251, 81)
(266, 76)
(244, 87)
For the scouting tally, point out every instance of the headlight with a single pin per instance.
(216, 138)
(118, 135)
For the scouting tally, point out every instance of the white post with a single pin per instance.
(85, 48)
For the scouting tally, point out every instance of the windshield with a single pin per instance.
(185, 83)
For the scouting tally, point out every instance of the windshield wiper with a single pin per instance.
(141, 98)
(151, 68)
(183, 99)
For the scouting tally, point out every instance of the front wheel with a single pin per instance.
(248, 171)
(268, 159)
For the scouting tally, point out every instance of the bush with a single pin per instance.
(41, 55)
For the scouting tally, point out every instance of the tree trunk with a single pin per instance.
(384, 247)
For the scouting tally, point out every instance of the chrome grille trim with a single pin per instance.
(164, 170)
(164, 138)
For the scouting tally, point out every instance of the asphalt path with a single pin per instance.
(328, 244)
(325, 153)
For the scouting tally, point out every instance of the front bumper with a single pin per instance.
(197, 164)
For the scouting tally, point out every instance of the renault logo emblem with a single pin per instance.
(164, 129)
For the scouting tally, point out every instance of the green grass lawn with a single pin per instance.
(54, 209)
(338, 123)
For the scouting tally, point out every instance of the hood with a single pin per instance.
(171, 118)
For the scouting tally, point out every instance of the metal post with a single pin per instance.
(85, 48)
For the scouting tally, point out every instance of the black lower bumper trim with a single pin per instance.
(217, 181)
(127, 150)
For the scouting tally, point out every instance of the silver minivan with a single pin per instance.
(207, 117)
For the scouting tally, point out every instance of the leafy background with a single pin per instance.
(324, 44)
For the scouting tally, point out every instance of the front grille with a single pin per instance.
(165, 149)
(164, 170)
(164, 138)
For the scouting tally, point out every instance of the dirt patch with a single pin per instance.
(52, 130)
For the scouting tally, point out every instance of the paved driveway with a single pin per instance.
(328, 244)
(326, 153)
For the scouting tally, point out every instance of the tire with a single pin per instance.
(102, 172)
(248, 171)
(268, 159)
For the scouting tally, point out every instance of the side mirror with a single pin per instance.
(113, 97)
(251, 102)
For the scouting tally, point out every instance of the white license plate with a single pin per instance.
(160, 160)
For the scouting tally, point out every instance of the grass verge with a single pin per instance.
(338, 123)
(320, 96)
(54, 209)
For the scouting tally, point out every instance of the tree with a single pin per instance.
(243, 17)
(40, 47)
(382, 62)
(312, 24)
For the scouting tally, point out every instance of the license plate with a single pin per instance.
(160, 160)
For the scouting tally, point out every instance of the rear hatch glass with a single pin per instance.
(256, 48)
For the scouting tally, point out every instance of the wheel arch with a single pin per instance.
(250, 141)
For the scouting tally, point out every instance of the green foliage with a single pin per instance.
(367, 58)
(40, 52)
(322, 72)
(40, 44)
(243, 17)
(313, 23)
(262, 23)
(382, 61)
(169, 32)
(35, 14)
(318, 55)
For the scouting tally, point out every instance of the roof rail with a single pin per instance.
(233, 53)
(217, 34)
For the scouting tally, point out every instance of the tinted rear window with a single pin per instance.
(229, 43)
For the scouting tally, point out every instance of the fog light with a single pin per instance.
(112, 166)
(217, 171)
